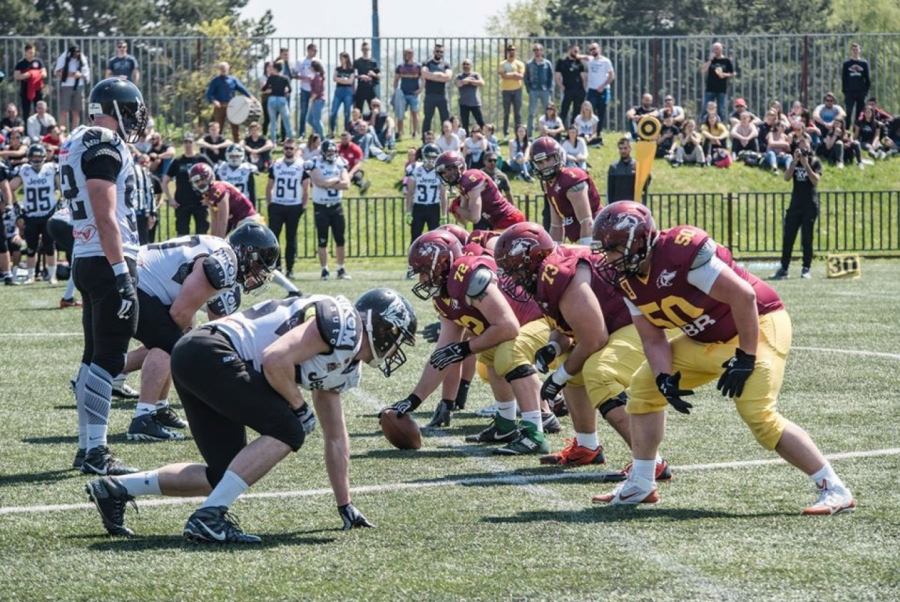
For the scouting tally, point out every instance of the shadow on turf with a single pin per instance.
(615, 514)
(390, 453)
(177, 542)
(70, 439)
(51, 476)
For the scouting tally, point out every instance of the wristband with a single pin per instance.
(556, 348)
(120, 268)
(415, 399)
(466, 348)
(561, 374)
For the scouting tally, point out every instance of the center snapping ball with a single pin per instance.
(402, 431)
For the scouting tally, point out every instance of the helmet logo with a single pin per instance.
(396, 314)
(627, 222)
(521, 246)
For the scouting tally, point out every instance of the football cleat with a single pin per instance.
(635, 490)
(550, 423)
(101, 462)
(500, 431)
(146, 428)
(832, 500)
(558, 406)
(325, 274)
(663, 472)
(781, 274)
(575, 455)
(64, 303)
(110, 498)
(216, 525)
(121, 390)
(342, 274)
(167, 417)
(79, 457)
(489, 411)
(529, 441)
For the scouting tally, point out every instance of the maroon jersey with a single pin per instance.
(557, 195)
(557, 272)
(455, 307)
(239, 206)
(482, 237)
(498, 211)
(668, 300)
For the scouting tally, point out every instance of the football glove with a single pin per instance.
(306, 417)
(127, 296)
(352, 517)
(545, 356)
(455, 352)
(404, 406)
(554, 385)
(431, 332)
(443, 413)
(409, 218)
(737, 370)
(668, 385)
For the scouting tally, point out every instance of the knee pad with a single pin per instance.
(611, 404)
(30, 252)
(522, 371)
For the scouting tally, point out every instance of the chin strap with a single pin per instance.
(375, 362)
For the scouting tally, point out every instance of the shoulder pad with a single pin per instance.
(478, 282)
(336, 328)
(96, 135)
(101, 149)
(226, 302)
(705, 254)
(220, 268)
(578, 186)
(309, 165)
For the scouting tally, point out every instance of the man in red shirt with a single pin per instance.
(353, 155)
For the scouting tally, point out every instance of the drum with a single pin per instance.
(242, 110)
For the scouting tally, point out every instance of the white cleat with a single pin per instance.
(489, 411)
(635, 490)
(832, 500)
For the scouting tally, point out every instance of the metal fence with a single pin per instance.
(750, 224)
(770, 67)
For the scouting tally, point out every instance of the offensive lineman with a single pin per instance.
(244, 371)
(98, 180)
(329, 177)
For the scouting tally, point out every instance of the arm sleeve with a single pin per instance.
(226, 302)
(705, 276)
(101, 162)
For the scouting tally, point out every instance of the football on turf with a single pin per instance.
(402, 431)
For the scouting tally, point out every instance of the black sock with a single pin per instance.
(462, 394)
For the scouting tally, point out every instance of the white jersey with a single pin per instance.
(328, 196)
(62, 213)
(428, 185)
(287, 177)
(89, 146)
(241, 177)
(10, 215)
(253, 330)
(163, 267)
(40, 189)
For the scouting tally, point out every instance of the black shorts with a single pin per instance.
(36, 236)
(329, 216)
(155, 328)
(222, 395)
(61, 233)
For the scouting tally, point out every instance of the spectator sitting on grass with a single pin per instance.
(715, 135)
(258, 149)
(40, 123)
(427, 138)
(825, 114)
(448, 139)
(213, 144)
(689, 147)
(803, 127)
(576, 148)
(457, 128)
(634, 114)
(490, 135)
(868, 132)
(519, 154)
(587, 124)
(678, 114)
(744, 135)
(778, 145)
(474, 148)
(369, 143)
(763, 129)
(52, 141)
(837, 143)
(550, 123)
(740, 107)
(161, 155)
(668, 134)
(779, 113)
(381, 124)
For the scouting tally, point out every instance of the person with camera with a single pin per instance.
(74, 72)
(805, 171)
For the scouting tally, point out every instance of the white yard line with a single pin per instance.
(893, 356)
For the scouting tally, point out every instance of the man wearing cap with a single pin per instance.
(512, 74)
(187, 202)
(740, 107)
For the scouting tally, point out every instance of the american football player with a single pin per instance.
(228, 207)
(480, 198)
(426, 194)
(330, 178)
(734, 327)
(247, 370)
(238, 171)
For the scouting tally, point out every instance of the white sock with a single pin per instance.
(588, 440)
(340, 266)
(119, 380)
(51, 271)
(70, 288)
(507, 409)
(645, 469)
(229, 489)
(659, 459)
(144, 408)
(30, 273)
(141, 483)
(534, 418)
(828, 477)
(162, 403)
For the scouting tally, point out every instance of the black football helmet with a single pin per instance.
(257, 254)
(36, 156)
(121, 100)
(329, 150)
(390, 323)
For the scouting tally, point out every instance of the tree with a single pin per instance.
(865, 17)
(519, 19)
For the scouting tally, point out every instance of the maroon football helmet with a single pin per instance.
(450, 167)
(542, 149)
(458, 231)
(519, 253)
(432, 254)
(628, 228)
(201, 177)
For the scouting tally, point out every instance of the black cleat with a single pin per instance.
(147, 428)
(79, 457)
(167, 417)
(101, 462)
(216, 525)
(500, 431)
(550, 423)
(110, 497)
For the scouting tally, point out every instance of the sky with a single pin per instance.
(397, 18)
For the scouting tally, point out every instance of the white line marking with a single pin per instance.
(507, 479)
(893, 356)
(41, 334)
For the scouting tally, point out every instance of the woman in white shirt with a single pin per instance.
(587, 124)
(309, 150)
(447, 140)
(474, 148)
(519, 154)
(576, 149)
(550, 123)
(457, 128)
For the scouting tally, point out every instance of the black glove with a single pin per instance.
(127, 295)
(352, 517)
(443, 413)
(306, 417)
(452, 353)
(552, 387)
(737, 370)
(404, 406)
(431, 332)
(544, 357)
(668, 386)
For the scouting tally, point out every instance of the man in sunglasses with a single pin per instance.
(436, 73)
(123, 65)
